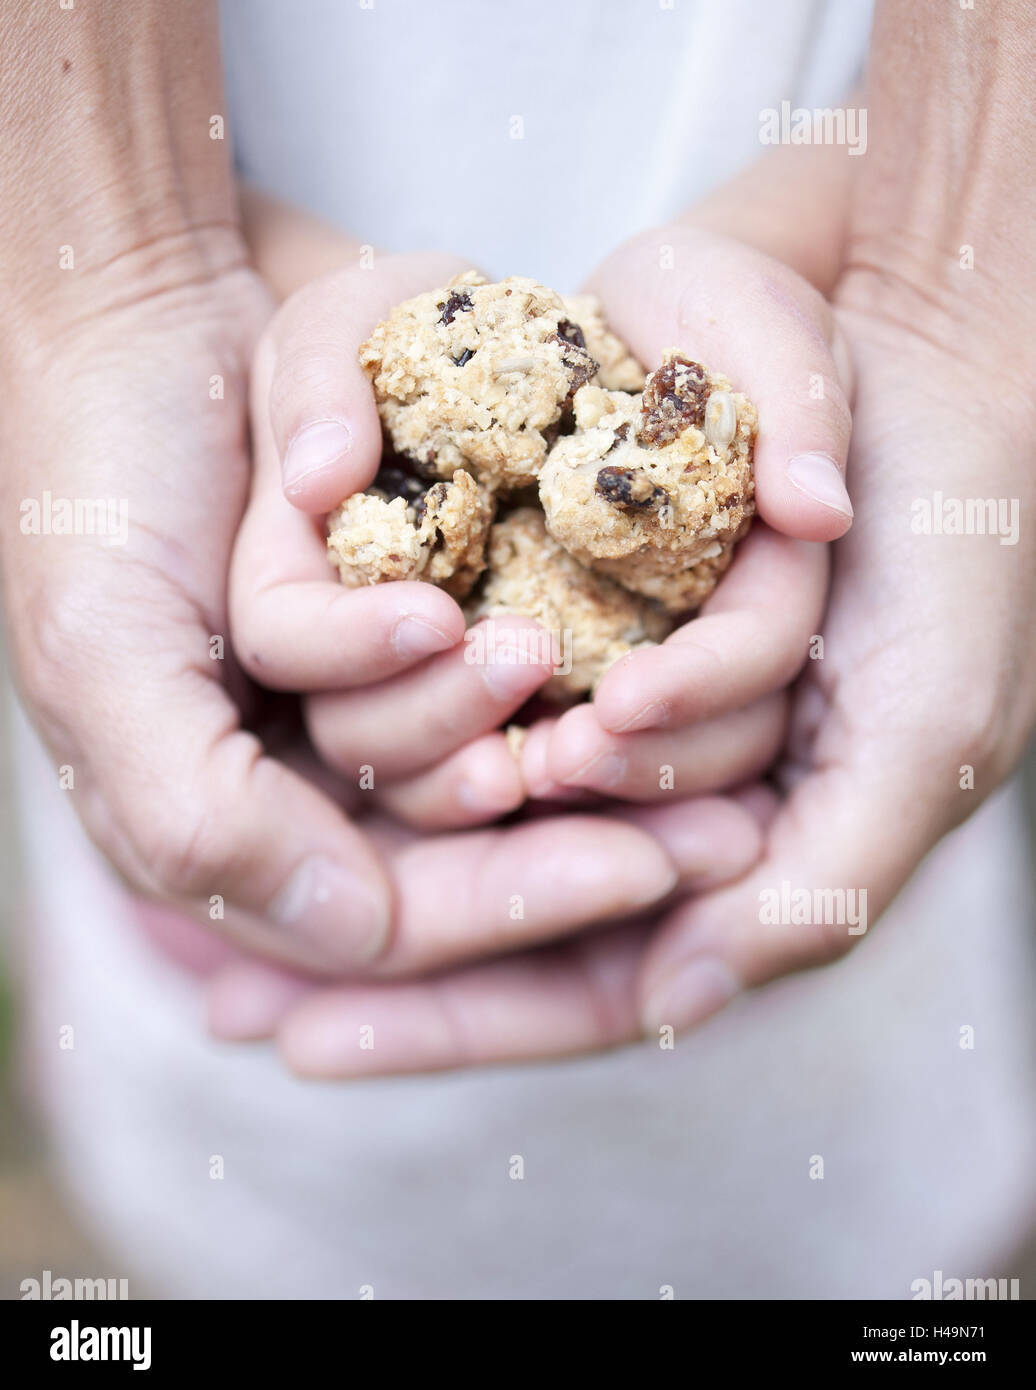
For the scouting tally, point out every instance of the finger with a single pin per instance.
(246, 1000)
(709, 841)
(571, 999)
(316, 635)
(712, 840)
(478, 783)
(657, 764)
(293, 625)
(739, 312)
(321, 407)
(202, 818)
(413, 721)
(752, 637)
(533, 755)
(463, 896)
(838, 851)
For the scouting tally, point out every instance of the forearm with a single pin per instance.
(951, 163)
(106, 151)
(792, 204)
(289, 247)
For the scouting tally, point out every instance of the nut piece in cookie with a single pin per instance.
(403, 528)
(478, 376)
(592, 620)
(656, 489)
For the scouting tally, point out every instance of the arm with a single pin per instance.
(106, 150)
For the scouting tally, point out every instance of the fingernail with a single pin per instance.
(511, 673)
(414, 638)
(313, 448)
(603, 770)
(820, 478)
(333, 909)
(694, 993)
(652, 716)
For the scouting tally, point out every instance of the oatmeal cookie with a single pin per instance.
(594, 621)
(478, 376)
(403, 528)
(655, 489)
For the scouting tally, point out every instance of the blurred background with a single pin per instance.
(38, 1230)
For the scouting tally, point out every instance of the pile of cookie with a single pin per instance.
(531, 467)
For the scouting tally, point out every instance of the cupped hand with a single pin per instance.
(134, 403)
(121, 652)
(572, 995)
(924, 693)
(704, 709)
(396, 705)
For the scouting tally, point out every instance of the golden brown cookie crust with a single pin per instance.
(594, 620)
(477, 376)
(435, 532)
(655, 489)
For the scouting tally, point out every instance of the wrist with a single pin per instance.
(944, 201)
(110, 174)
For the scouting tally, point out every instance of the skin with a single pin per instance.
(288, 613)
(170, 288)
(306, 370)
(899, 731)
(125, 376)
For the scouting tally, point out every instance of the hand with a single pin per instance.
(926, 693)
(395, 692)
(113, 648)
(568, 996)
(708, 702)
(141, 400)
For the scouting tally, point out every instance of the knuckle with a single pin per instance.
(193, 844)
(975, 736)
(182, 849)
(55, 633)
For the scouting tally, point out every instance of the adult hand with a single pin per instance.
(926, 691)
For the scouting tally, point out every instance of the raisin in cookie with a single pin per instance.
(654, 490)
(592, 619)
(477, 376)
(402, 528)
(617, 368)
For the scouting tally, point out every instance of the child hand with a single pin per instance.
(385, 665)
(703, 710)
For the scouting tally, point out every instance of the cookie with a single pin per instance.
(403, 528)
(478, 376)
(593, 620)
(617, 368)
(654, 490)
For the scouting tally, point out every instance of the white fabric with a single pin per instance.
(642, 1168)
(394, 122)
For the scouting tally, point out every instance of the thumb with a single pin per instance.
(202, 818)
(838, 852)
(321, 407)
(740, 312)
